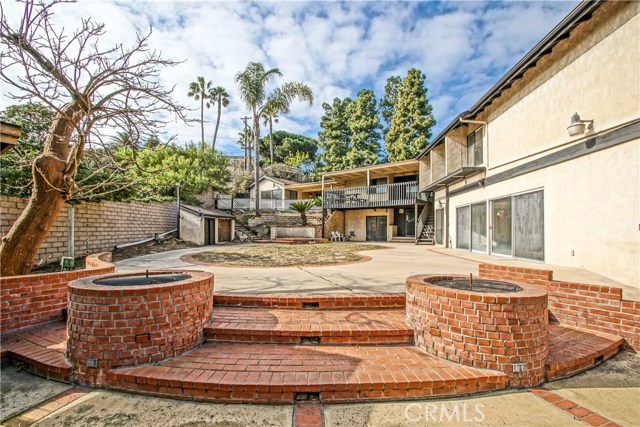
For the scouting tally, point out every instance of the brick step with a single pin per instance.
(309, 326)
(277, 374)
(40, 349)
(572, 351)
(337, 301)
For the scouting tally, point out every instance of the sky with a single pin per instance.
(337, 48)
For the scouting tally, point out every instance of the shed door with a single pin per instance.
(209, 231)
(377, 228)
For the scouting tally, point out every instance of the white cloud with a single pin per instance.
(337, 48)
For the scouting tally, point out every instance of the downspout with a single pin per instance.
(322, 200)
(486, 133)
(446, 217)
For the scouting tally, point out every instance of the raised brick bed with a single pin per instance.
(112, 326)
(38, 298)
(506, 332)
(592, 307)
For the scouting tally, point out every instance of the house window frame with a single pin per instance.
(475, 147)
(511, 196)
(470, 233)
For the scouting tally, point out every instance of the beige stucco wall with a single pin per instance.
(592, 207)
(191, 228)
(596, 73)
(355, 220)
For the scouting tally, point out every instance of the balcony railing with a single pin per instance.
(265, 204)
(373, 196)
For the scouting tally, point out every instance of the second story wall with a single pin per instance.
(595, 72)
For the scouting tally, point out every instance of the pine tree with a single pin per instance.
(364, 126)
(389, 101)
(412, 120)
(335, 137)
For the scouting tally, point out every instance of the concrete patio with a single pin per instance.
(386, 272)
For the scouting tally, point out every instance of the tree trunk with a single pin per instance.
(215, 133)
(256, 136)
(50, 190)
(303, 216)
(271, 138)
(202, 118)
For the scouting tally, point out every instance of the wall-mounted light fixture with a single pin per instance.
(578, 126)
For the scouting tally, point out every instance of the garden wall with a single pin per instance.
(98, 226)
(33, 299)
(591, 307)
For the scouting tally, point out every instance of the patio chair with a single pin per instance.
(337, 237)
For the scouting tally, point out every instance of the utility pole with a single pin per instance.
(244, 120)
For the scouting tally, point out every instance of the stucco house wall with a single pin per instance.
(591, 202)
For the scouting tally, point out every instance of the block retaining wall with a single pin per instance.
(98, 226)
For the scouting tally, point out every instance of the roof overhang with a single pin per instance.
(454, 177)
(402, 167)
(9, 135)
(305, 186)
(206, 213)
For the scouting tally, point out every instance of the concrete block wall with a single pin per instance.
(98, 226)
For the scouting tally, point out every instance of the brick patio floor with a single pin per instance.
(279, 373)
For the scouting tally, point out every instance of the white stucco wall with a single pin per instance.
(591, 207)
(191, 227)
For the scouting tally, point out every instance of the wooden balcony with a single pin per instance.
(373, 196)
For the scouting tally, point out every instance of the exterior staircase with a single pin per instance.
(428, 234)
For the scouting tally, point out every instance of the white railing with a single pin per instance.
(265, 204)
(373, 196)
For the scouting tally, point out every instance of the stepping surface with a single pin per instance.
(41, 348)
(572, 351)
(335, 301)
(299, 326)
(270, 373)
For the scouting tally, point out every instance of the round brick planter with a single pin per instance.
(500, 331)
(113, 326)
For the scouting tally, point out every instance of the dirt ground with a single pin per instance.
(168, 244)
(275, 255)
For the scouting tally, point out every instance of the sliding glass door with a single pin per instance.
(463, 222)
(518, 226)
(479, 227)
(501, 232)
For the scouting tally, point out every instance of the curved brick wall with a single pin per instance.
(38, 298)
(131, 325)
(483, 330)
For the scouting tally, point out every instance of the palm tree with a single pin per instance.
(252, 84)
(199, 90)
(269, 116)
(304, 206)
(220, 96)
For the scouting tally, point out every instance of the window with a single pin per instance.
(474, 147)
(463, 222)
(479, 227)
(471, 227)
(271, 195)
(518, 226)
(439, 225)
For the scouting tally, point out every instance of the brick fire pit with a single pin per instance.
(501, 326)
(113, 323)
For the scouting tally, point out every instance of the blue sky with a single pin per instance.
(337, 48)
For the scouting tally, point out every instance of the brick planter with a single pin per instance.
(483, 330)
(113, 326)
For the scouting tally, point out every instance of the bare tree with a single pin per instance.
(90, 88)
